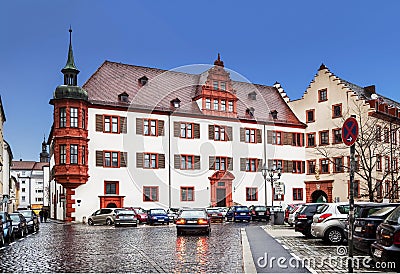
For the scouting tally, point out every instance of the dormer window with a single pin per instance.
(176, 103)
(215, 85)
(252, 95)
(223, 86)
(250, 112)
(123, 97)
(143, 81)
(274, 114)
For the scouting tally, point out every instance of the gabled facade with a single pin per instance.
(171, 139)
(325, 105)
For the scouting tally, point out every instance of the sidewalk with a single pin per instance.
(268, 255)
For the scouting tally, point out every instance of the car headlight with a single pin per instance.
(30, 222)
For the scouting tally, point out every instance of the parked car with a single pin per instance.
(8, 233)
(304, 218)
(141, 214)
(2, 241)
(223, 211)
(259, 213)
(215, 214)
(328, 222)
(157, 216)
(20, 227)
(103, 216)
(31, 219)
(193, 220)
(290, 208)
(365, 228)
(363, 210)
(291, 218)
(238, 213)
(125, 217)
(172, 214)
(386, 248)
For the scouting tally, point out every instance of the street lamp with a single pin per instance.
(271, 173)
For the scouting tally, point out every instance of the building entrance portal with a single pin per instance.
(319, 196)
(319, 191)
(221, 188)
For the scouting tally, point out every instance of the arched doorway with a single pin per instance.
(319, 196)
(111, 205)
(221, 188)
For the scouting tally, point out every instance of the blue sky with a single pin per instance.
(265, 41)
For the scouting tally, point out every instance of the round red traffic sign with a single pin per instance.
(350, 131)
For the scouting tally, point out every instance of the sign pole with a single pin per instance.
(349, 137)
(351, 211)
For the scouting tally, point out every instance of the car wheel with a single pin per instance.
(90, 222)
(334, 235)
(108, 222)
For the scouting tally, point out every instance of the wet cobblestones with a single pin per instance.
(319, 256)
(82, 248)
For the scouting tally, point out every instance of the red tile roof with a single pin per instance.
(27, 165)
(112, 79)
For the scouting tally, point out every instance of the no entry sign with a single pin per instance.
(350, 131)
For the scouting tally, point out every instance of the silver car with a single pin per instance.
(103, 216)
(328, 222)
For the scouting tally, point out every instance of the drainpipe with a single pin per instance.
(169, 161)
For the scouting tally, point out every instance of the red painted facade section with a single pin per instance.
(70, 175)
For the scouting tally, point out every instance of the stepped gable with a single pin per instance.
(112, 79)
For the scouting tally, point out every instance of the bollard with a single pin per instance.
(84, 220)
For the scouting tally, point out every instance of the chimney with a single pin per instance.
(370, 89)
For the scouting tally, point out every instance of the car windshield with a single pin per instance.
(394, 216)
(322, 208)
(140, 210)
(242, 209)
(382, 212)
(157, 211)
(26, 214)
(364, 212)
(126, 212)
(192, 214)
(260, 208)
(14, 217)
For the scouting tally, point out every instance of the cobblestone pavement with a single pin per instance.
(82, 248)
(321, 257)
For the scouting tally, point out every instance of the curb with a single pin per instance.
(248, 262)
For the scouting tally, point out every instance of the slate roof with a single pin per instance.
(112, 79)
(364, 94)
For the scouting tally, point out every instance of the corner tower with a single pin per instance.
(70, 134)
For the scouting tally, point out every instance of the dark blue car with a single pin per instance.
(6, 221)
(157, 216)
(238, 213)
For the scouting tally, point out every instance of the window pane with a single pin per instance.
(146, 127)
(115, 124)
(115, 159)
(189, 130)
(183, 130)
(107, 124)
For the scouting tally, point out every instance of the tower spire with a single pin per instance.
(70, 71)
(218, 62)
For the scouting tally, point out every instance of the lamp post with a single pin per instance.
(271, 173)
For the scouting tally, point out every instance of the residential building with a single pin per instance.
(3, 199)
(31, 185)
(325, 105)
(8, 184)
(139, 136)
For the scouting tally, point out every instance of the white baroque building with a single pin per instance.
(139, 136)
